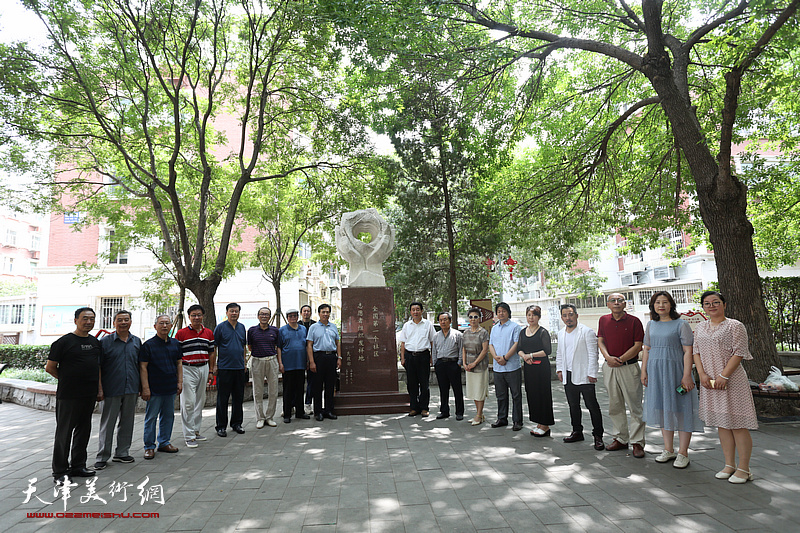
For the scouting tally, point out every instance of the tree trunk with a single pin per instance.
(181, 304)
(722, 199)
(276, 284)
(451, 247)
(205, 290)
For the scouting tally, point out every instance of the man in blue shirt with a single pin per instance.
(506, 367)
(292, 362)
(119, 368)
(161, 373)
(231, 339)
(324, 359)
(262, 341)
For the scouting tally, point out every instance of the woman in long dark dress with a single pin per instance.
(534, 348)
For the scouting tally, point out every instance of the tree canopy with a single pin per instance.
(178, 107)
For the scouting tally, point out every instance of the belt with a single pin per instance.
(204, 363)
(423, 352)
(447, 360)
(631, 361)
(324, 353)
(267, 357)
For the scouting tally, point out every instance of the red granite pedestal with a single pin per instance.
(368, 381)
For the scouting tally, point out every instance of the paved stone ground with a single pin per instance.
(392, 473)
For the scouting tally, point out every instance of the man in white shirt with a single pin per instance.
(415, 356)
(576, 366)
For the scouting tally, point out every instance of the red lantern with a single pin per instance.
(510, 264)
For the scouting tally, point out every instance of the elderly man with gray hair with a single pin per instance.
(161, 373)
(446, 354)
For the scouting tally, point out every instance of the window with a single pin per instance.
(18, 313)
(36, 242)
(11, 237)
(34, 266)
(8, 265)
(117, 255)
(644, 297)
(108, 307)
(5, 314)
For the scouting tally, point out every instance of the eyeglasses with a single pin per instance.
(473, 316)
(715, 303)
(616, 300)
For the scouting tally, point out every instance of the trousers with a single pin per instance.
(574, 393)
(448, 374)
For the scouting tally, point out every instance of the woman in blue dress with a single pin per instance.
(670, 400)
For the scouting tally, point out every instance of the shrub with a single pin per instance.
(24, 356)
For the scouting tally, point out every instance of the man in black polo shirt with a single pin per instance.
(305, 315)
(162, 378)
(74, 361)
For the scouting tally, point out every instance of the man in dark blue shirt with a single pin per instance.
(230, 338)
(262, 341)
(162, 378)
(120, 372)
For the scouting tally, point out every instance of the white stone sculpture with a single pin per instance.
(365, 258)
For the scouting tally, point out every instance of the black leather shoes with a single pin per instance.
(61, 479)
(330, 416)
(459, 417)
(319, 417)
(302, 416)
(82, 472)
(499, 423)
(239, 430)
(287, 419)
(599, 444)
(574, 437)
(441, 416)
(517, 427)
(222, 433)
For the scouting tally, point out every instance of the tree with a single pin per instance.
(687, 79)
(448, 137)
(178, 107)
(291, 213)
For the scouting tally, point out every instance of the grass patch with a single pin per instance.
(31, 374)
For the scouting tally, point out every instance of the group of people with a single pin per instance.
(119, 368)
(660, 392)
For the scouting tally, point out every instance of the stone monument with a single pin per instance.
(368, 381)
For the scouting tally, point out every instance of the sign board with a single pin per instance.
(693, 318)
(72, 218)
(487, 313)
(58, 319)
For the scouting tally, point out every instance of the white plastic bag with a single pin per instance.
(777, 381)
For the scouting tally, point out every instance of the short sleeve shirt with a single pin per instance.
(293, 347)
(196, 346)
(620, 335)
(120, 365)
(230, 345)
(162, 358)
(263, 342)
(503, 337)
(323, 337)
(417, 337)
(78, 361)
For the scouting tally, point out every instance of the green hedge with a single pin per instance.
(24, 356)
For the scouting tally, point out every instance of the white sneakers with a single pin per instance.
(259, 424)
(271, 423)
(666, 456)
(681, 461)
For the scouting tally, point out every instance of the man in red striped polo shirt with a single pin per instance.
(197, 347)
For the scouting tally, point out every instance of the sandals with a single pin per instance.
(740, 480)
(725, 475)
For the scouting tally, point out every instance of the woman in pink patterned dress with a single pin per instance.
(726, 402)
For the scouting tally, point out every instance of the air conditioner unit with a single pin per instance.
(664, 273)
(628, 278)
